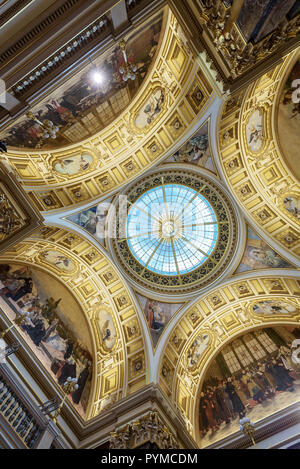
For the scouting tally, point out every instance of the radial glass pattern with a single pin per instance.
(171, 229)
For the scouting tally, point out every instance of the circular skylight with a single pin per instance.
(171, 229)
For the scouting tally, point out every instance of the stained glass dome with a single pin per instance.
(173, 232)
(171, 229)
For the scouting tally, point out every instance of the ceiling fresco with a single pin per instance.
(258, 18)
(196, 150)
(157, 314)
(105, 320)
(289, 127)
(258, 255)
(228, 345)
(82, 107)
(197, 289)
(60, 178)
(252, 155)
(253, 374)
(93, 220)
(56, 330)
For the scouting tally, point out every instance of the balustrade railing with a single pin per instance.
(21, 417)
(17, 415)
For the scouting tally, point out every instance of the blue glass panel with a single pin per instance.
(171, 229)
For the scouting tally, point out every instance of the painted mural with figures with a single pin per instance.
(288, 123)
(254, 375)
(151, 109)
(258, 255)
(274, 308)
(258, 18)
(72, 165)
(106, 328)
(197, 350)
(54, 330)
(292, 205)
(58, 260)
(93, 220)
(255, 131)
(157, 314)
(81, 107)
(196, 150)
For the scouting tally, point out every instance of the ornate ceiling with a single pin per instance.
(130, 144)
(252, 161)
(132, 322)
(81, 107)
(222, 315)
(96, 286)
(288, 118)
(201, 243)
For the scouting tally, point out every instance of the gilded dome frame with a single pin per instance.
(222, 254)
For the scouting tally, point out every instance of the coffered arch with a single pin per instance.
(124, 149)
(96, 286)
(221, 315)
(183, 105)
(251, 159)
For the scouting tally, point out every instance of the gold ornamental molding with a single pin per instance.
(10, 12)
(120, 369)
(18, 219)
(252, 160)
(183, 283)
(133, 142)
(148, 429)
(214, 320)
(239, 55)
(216, 33)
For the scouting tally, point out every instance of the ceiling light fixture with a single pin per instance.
(128, 70)
(97, 77)
(49, 129)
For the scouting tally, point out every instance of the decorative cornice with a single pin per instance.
(13, 10)
(17, 217)
(135, 406)
(194, 31)
(211, 29)
(57, 60)
(37, 30)
(147, 429)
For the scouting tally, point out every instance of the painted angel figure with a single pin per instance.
(292, 205)
(197, 349)
(154, 107)
(107, 330)
(255, 133)
(71, 166)
(62, 261)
